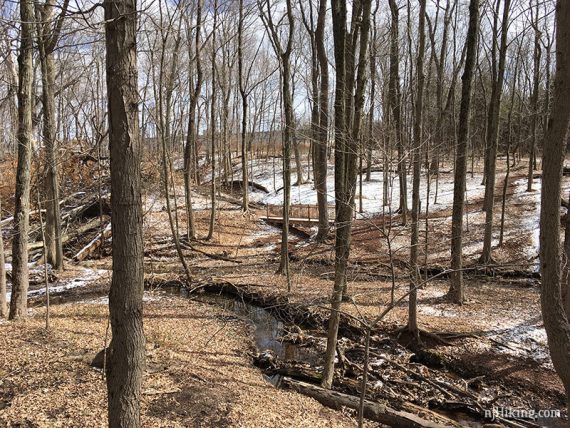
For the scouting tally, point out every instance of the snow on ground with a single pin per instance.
(518, 333)
(89, 275)
(269, 174)
(523, 339)
(148, 296)
(153, 202)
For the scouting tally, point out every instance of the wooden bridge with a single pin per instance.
(299, 214)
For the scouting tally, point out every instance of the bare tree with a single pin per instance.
(394, 99)
(126, 353)
(48, 35)
(284, 55)
(3, 303)
(319, 109)
(535, 94)
(20, 272)
(498, 75)
(456, 290)
(213, 127)
(555, 313)
(190, 150)
(348, 45)
(416, 160)
(243, 94)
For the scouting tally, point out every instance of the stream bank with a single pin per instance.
(290, 340)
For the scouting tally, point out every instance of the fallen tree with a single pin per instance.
(375, 411)
(94, 244)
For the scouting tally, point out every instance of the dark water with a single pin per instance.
(268, 330)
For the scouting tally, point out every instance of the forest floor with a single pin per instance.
(200, 370)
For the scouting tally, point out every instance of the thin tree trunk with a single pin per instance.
(394, 100)
(46, 275)
(492, 138)
(243, 94)
(3, 303)
(213, 128)
(321, 167)
(509, 141)
(535, 96)
(284, 55)
(456, 291)
(20, 272)
(418, 139)
(190, 152)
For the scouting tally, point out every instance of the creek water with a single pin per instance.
(268, 330)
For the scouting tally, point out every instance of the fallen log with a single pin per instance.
(210, 255)
(65, 238)
(91, 208)
(94, 244)
(8, 220)
(374, 411)
(238, 185)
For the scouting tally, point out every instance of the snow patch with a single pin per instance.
(89, 276)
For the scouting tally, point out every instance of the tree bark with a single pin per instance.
(554, 314)
(319, 113)
(3, 303)
(394, 100)
(47, 39)
(190, 152)
(492, 135)
(321, 169)
(284, 55)
(418, 139)
(534, 100)
(456, 291)
(213, 128)
(20, 272)
(126, 354)
(346, 149)
(243, 94)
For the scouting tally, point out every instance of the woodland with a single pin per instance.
(290, 213)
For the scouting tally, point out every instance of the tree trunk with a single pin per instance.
(509, 143)
(554, 315)
(535, 96)
(418, 137)
(3, 303)
(243, 94)
(126, 353)
(190, 153)
(321, 163)
(20, 272)
(47, 39)
(492, 135)
(394, 100)
(456, 291)
(287, 136)
(346, 149)
(213, 128)
(284, 55)
(298, 160)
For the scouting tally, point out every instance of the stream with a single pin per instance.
(268, 332)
